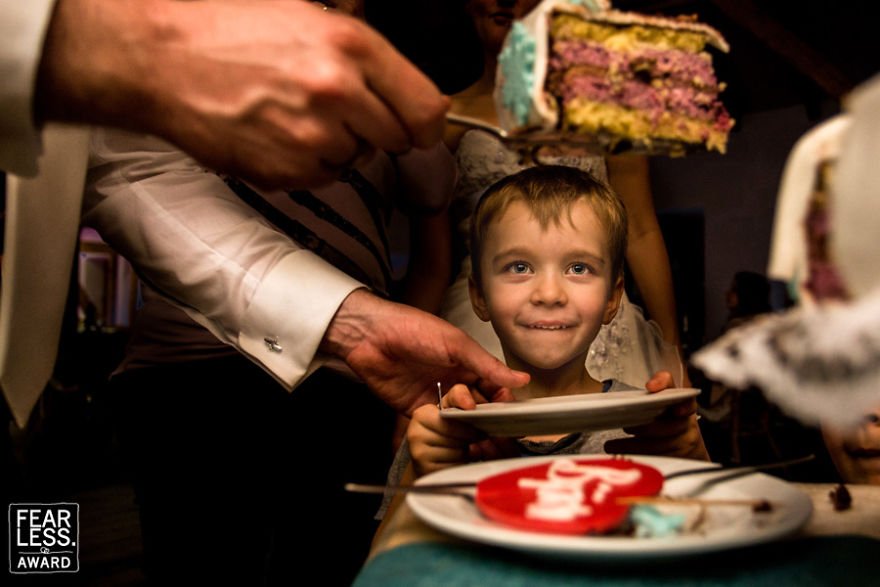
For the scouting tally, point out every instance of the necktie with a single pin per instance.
(42, 217)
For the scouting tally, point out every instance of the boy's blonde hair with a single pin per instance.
(549, 191)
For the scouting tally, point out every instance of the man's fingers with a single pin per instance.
(502, 395)
(490, 374)
(370, 118)
(324, 146)
(415, 100)
(339, 150)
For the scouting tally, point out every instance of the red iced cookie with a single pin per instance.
(566, 496)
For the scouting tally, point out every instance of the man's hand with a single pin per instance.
(674, 434)
(401, 353)
(278, 92)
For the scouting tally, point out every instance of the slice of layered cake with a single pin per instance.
(628, 80)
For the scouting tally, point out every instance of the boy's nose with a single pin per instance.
(548, 290)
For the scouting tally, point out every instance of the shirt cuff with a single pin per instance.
(22, 36)
(289, 314)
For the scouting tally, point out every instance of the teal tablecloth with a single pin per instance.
(828, 560)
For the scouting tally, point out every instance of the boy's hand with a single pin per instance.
(436, 443)
(674, 434)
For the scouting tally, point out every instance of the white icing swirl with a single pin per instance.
(562, 496)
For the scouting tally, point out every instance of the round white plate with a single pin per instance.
(723, 527)
(570, 413)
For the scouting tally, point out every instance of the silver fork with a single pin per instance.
(457, 487)
(735, 473)
(463, 489)
(740, 471)
(528, 143)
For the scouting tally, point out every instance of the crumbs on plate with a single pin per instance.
(840, 497)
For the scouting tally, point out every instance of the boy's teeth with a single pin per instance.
(538, 326)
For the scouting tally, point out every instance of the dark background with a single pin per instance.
(790, 67)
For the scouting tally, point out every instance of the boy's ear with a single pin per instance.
(613, 301)
(478, 301)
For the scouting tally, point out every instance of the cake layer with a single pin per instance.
(616, 124)
(648, 64)
(636, 81)
(627, 79)
(623, 38)
(653, 30)
(688, 101)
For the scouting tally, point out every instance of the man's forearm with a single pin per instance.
(196, 242)
(351, 324)
(99, 61)
(279, 92)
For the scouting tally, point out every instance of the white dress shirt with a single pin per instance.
(191, 238)
(23, 25)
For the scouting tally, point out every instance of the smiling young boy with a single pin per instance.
(547, 247)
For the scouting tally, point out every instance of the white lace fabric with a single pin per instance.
(819, 363)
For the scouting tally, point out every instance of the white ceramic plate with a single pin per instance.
(722, 527)
(570, 413)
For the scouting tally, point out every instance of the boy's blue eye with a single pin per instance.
(579, 268)
(518, 268)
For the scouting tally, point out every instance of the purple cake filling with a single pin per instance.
(689, 68)
(689, 101)
(824, 282)
(652, 81)
(567, 53)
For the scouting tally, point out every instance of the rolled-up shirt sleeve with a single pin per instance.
(191, 238)
(23, 26)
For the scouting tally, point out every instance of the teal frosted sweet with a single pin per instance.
(517, 62)
(591, 5)
(652, 523)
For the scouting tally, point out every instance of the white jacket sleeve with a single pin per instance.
(188, 235)
(23, 25)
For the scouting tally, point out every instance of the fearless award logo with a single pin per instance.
(43, 538)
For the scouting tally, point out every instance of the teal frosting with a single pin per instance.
(590, 5)
(517, 62)
(793, 287)
(650, 522)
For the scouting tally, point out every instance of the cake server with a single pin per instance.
(529, 143)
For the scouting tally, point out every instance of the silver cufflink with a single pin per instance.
(272, 344)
